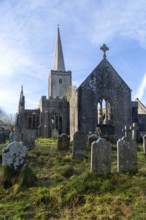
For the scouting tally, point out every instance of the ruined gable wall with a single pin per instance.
(104, 82)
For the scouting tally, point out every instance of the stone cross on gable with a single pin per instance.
(127, 131)
(134, 129)
(104, 48)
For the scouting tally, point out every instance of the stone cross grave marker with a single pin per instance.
(79, 145)
(101, 157)
(63, 142)
(127, 131)
(14, 155)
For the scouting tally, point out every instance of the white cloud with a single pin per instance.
(27, 38)
(141, 89)
(12, 58)
(117, 19)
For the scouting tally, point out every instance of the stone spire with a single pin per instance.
(21, 101)
(58, 59)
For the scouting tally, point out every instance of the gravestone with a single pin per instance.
(144, 144)
(63, 142)
(13, 137)
(28, 139)
(79, 145)
(14, 155)
(101, 157)
(126, 153)
(91, 139)
(54, 133)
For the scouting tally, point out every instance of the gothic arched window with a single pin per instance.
(56, 121)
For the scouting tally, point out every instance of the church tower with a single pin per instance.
(59, 78)
(21, 106)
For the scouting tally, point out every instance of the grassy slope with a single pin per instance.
(67, 190)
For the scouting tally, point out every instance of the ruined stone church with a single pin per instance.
(102, 100)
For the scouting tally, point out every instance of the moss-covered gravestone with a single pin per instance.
(101, 157)
(79, 145)
(127, 153)
(63, 142)
(14, 155)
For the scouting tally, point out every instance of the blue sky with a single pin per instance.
(27, 42)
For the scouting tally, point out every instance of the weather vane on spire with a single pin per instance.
(104, 48)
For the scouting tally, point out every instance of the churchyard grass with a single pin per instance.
(66, 189)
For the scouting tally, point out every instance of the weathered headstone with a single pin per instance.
(54, 133)
(126, 153)
(63, 142)
(28, 139)
(91, 139)
(144, 144)
(14, 155)
(79, 145)
(101, 157)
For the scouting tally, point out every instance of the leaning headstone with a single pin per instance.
(29, 139)
(144, 144)
(63, 142)
(54, 133)
(126, 153)
(14, 155)
(91, 139)
(101, 157)
(79, 145)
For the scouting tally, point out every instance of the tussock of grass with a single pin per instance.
(27, 177)
(21, 177)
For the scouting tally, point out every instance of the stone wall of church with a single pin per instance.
(52, 109)
(141, 126)
(28, 119)
(73, 115)
(59, 82)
